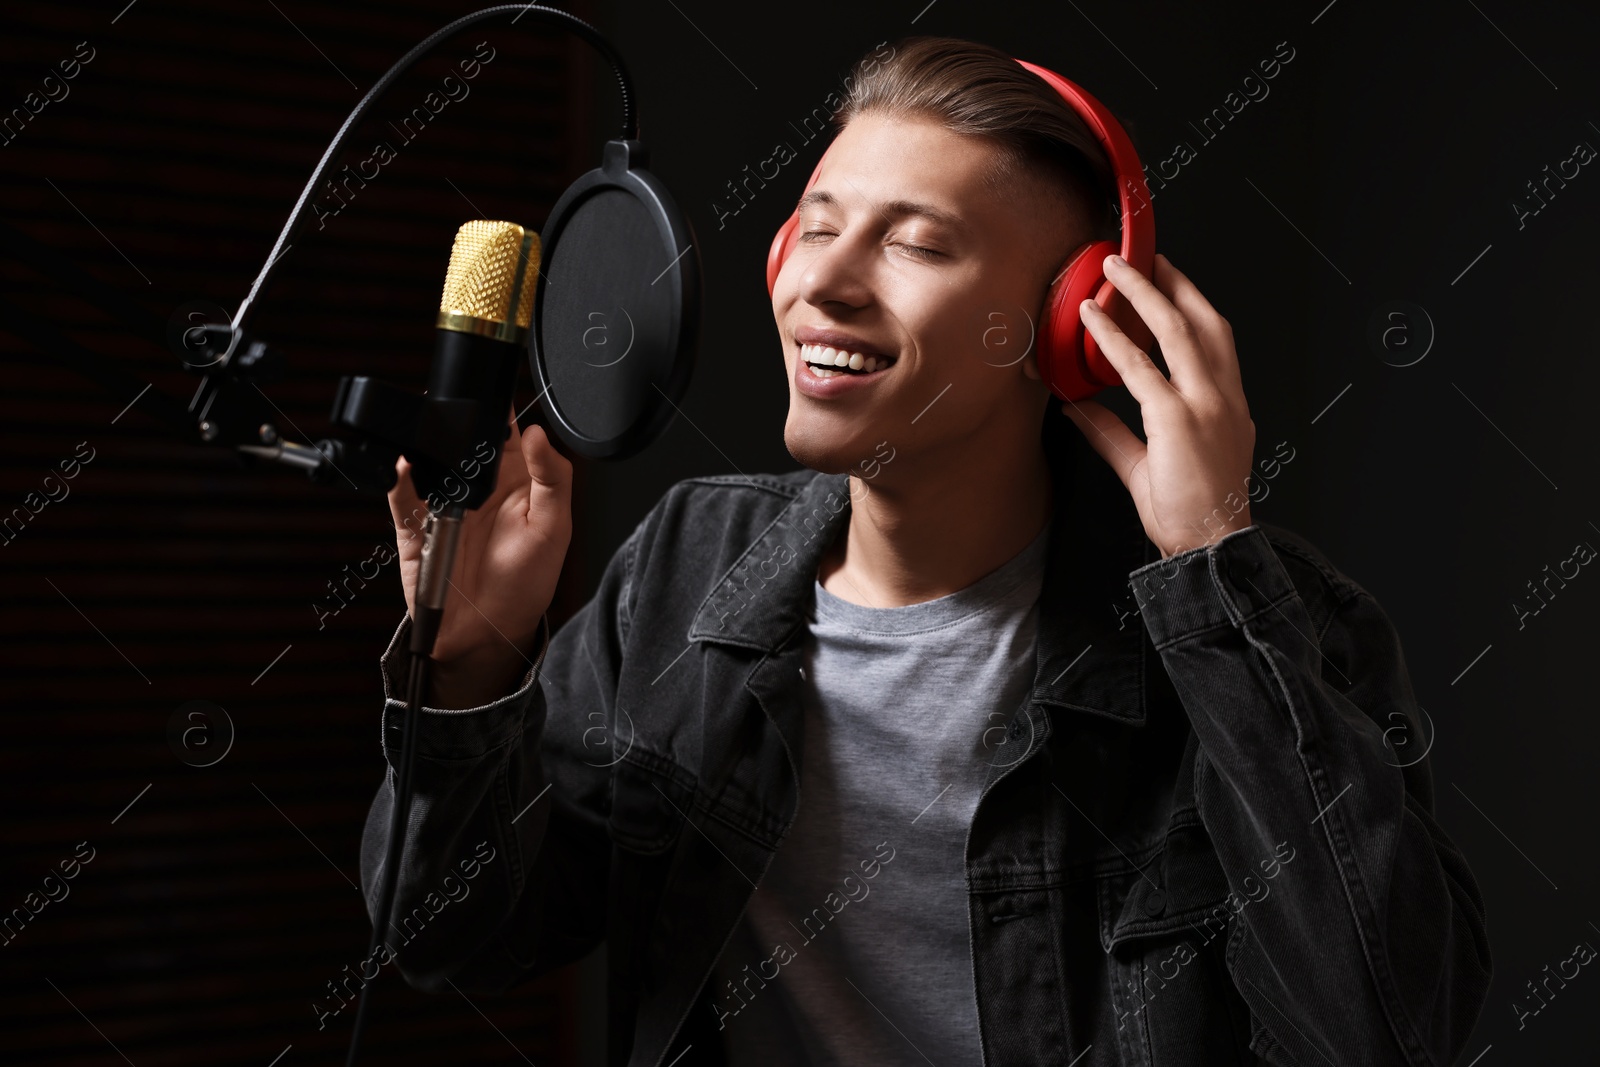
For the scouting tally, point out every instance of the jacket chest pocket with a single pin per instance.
(650, 800)
(1166, 933)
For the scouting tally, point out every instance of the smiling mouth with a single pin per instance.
(826, 362)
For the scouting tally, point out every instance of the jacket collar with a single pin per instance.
(1091, 652)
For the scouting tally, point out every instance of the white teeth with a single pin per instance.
(822, 357)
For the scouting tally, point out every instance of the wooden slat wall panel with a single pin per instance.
(219, 904)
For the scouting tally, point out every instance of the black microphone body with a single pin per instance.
(465, 440)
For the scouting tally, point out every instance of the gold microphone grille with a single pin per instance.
(489, 287)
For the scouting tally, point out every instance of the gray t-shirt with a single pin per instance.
(855, 948)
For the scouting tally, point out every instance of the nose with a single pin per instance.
(838, 272)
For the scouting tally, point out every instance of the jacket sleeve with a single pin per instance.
(507, 854)
(1368, 943)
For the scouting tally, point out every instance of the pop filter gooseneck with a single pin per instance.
(617, 315)
(297, 217)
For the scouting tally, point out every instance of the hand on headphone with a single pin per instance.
(1189, 481)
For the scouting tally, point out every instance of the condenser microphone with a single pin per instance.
(485, 312)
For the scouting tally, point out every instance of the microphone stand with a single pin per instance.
(229, 409)
(389, 422)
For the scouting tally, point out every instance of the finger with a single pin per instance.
(548, 471)
(511, 474)
(1180, 342)
(1216, 335)
(405, 505)
(1109, 436)
(1138, 372)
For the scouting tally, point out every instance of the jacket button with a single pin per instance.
(1014, 731)
(1155, 902)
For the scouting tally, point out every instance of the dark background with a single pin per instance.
(1381, 167)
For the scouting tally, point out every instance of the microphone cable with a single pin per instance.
(441, 536)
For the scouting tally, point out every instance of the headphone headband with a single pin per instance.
(1069, 357)
(1133, 194)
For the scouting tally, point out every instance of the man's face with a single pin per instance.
(909, 255)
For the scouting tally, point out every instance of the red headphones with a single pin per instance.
(1070, 360)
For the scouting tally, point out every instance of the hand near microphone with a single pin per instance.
(1189, 481)
(510, 557)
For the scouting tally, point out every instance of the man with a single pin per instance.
(863, 764)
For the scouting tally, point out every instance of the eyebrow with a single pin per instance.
(894, 209)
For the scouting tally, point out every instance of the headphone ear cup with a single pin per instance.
(1069, 360)
(781, 246)
(783, 243)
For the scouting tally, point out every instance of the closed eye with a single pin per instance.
(915, 251)
(919, 251)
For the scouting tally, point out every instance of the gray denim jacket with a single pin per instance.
(1205, 839)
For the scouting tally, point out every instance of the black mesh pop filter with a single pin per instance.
(617, 315)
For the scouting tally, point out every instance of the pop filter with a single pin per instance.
(616, 318)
